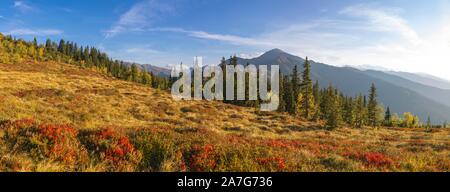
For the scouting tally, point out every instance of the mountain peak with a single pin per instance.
(276, 50)
(278, 56)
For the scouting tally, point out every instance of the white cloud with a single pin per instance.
(233, 39)
(250, 55)
(384, 20)
(363, 35)
(23, 6)
(142, 51)
(138, 17)
(367, 36)
(34, 32)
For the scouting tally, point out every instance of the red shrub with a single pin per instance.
(372, 159)
(203, 158)
(64, 145)
(23, 123)
(277, 162)
(179, 155)
(114, 147)
(46, 141)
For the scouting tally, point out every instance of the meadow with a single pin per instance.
(59, 117)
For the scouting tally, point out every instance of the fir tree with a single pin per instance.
(372, 106)
(305, 101)
(295, 90)
(388, 117)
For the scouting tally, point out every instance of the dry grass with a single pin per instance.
(199, 135)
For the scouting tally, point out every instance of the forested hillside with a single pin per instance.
(400, 94)
(63, 109)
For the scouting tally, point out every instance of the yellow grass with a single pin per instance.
(65, 94)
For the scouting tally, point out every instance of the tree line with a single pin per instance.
(300, 97)
(18, 50)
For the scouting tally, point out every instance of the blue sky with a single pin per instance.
(395, 34)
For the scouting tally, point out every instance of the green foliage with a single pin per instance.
(16, 51)
(306, 101)
(372, 106)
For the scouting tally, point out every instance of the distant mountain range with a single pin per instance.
(417, 93)
(424, 79)
(420, 94)
(160, 71)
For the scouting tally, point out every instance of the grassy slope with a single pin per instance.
(199, 135)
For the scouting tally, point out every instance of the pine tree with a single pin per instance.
(134, 73)
(317, 100)
(333, 114)
(35, 43)
(429, 122)
(372, 106)
(306, 105)
(360, 112)
(282, 105)
(295, 90)
(388, 117)
(146, 79)
(348, 111)
(288, 95)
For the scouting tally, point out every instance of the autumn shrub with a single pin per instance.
(372, 159)
(45, 142)
(275, 163)
(203, 158)
(112, 148)
(159, 151)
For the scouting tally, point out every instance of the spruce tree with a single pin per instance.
(306, 103)
(388, 117)
(372, 106)
(282, 105)
(317, 100)
(295, 82)
(360, 112)
(333, 114)
(134, 73)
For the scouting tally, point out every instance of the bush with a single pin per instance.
(112, 148)
(203, 158)
(45, 142)
(159, 152)
(372, 159)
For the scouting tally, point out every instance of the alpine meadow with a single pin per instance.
(357, 87)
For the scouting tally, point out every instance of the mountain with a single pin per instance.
(425, 79)
(400, 94)
(98, 123)
(160, 71)
(431, 92)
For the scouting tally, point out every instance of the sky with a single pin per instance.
(401, 35)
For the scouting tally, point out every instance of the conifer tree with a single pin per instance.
(295, 82)
(134, 73)
(333, 115)
(372, 106)
(317, 100)
(305, 101)
(282, 105)
(388, 117)
(360, 112)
